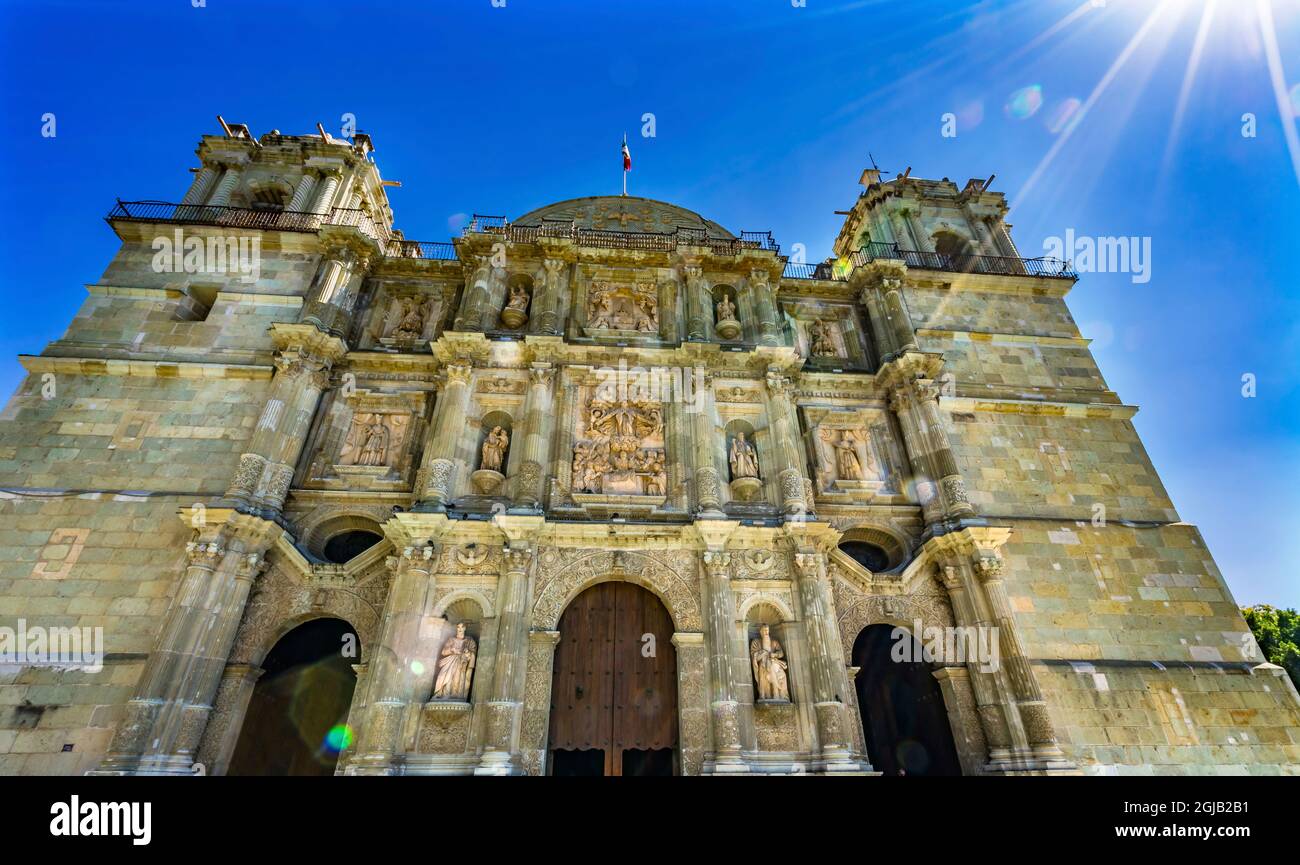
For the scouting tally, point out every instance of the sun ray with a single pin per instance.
(1096, 93)
(1269, 35)
(1189, 76)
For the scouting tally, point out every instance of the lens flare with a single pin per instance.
(339, 738)
(970, 115)
(1295, 100)
(417, 668)
(456, 222)
(1062, 114)
(1025, 102)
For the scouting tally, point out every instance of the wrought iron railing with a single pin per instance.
(648, 241)
(421, 249)
(998, 265)
(247, 217)
(824, 270)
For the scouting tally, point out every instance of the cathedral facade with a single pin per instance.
(606, 488)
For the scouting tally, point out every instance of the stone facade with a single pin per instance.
(175, 466)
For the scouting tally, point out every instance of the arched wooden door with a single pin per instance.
(614, 689)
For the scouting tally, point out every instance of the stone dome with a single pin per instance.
(624, 213)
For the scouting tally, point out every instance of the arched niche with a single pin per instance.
(340, 539)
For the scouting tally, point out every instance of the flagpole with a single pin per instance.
(625, 167)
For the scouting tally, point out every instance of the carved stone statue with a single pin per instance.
(494, 449)
(726, 309)
(623, 307)
(620, 451)
(367, 444)
(516, 311)
(847, 464)
(411, 325)
(768, 660)
(455, 666)
(823, 342)
(744, 461)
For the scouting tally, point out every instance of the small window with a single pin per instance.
(870, 556)
(345, 547)
(197, 302)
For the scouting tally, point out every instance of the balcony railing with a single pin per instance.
(997, 265)
(421, 249)
(647, 241)
(247, 217)
(824, 270)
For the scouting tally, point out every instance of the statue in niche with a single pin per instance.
(494, 449)
(516, 310)
(411, 324)
(367, 443)
(823, 341)
(744, 460)
(726, 309)
(455, 666)
(768, 660)
(847, 464)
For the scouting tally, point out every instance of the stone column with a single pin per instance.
(721, 622)
(202, 185)
(545, 316)
(708, 483)
(769, 328)
(164, 720)
(302, 195)
(963, 717)
(791, 470)
(537, 701)
(329, 186)
(390, 680)
(226, 186)
(539, 422)
(980, 226)
(697, 314)
(1029, 697)
(988, 706)
(826, 661)
(901, 234)
(881, 291)
(437, 474)
(230, 707)
(918, 228)
(266, 469)
(510, 662)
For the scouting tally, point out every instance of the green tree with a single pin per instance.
(1278, 634)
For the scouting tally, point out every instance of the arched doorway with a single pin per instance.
(296, 723)
(614, 687)
(903, 714)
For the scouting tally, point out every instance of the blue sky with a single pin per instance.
(765, 113)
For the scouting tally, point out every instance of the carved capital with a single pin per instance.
(458, 373)
(717, 563)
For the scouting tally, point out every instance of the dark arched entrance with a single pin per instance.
(903, 714)
(296, 722)
(614, 690)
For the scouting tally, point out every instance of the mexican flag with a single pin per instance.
(627, 156)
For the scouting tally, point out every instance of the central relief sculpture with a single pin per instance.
(631, 308)
(620, 450)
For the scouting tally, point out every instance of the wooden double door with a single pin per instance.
(614, 688)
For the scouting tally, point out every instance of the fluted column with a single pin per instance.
(697, 314)
(266, 468)
(226, 186)
(164, 721)
(769, 328)
(991, 711)
(826, 660)
(390, 685)
(918, 228)
(724, 705)
(539, 422)
(708, 479)
(1028, 695)
(302, 194)
(202, 185)
(511, 659)
(327, 190)
(786, 445)
(333, 296)
(437, 474)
